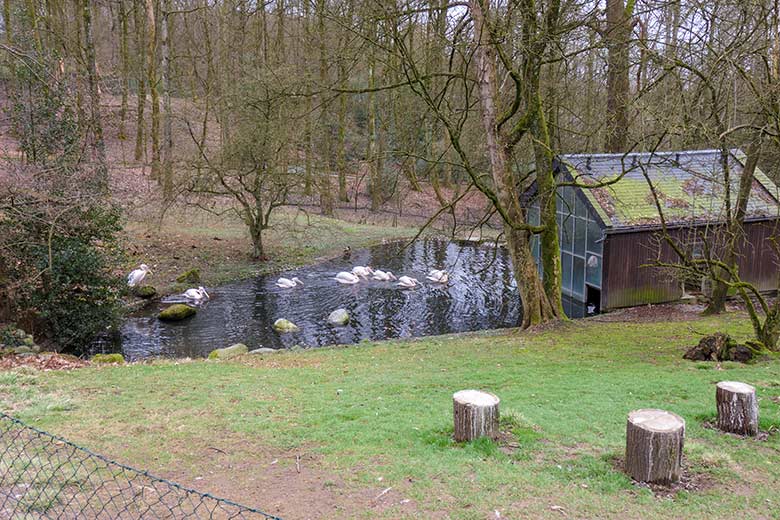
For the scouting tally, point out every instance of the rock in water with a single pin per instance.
(145, 291)
(177, 312)
(229, 352)
(339, 317)
(283, 325)
(191, 276)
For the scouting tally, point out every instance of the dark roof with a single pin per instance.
(689, 184)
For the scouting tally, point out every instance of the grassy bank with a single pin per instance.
(219, 246)
(323, 433)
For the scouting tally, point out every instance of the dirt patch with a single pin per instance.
(46, 361)
(291, 484)
(763, 435)
(690, 481)
(652, 313)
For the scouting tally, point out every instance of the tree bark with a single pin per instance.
(140, 38)
(475, 415)
(536, 305)
(618, 35)
(167, 145)
(151, 70)
(654, 446)
(96, 122)
(326, 195)
(125, 64)
(737, 408)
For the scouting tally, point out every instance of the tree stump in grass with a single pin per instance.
(475, 414)
(654, 446)
(737, 408)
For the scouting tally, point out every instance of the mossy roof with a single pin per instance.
(690, 186)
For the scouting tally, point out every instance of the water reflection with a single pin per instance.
(481, 294)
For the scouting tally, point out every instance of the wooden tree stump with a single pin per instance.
(654, 446)
(737, 408)
(475, 414)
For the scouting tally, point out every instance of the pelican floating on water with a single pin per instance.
(438, 276)
(362, 271)
(347, 278)
(406, 281)
(136, 276)
(288, 283)
(197, 294)
(384, 276)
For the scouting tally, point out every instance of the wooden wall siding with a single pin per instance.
(758, 261)
(629, 277)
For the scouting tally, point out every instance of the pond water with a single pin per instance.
(481, 294)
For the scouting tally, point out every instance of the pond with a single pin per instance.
(481, 294)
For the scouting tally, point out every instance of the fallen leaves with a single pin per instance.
(45, 361)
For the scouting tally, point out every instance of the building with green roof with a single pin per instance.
(609, 232)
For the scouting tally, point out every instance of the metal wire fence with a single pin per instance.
(43, 476)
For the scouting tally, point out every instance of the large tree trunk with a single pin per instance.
(151, 71)
(618, 35)
(140, 38)
(536, 305)
(167, 145)
(96, 122)
(125, 64)
(326, 196)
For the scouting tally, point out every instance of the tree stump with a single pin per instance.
(475, 414)
(654, 446)
(737, 408)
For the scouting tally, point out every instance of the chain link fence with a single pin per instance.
(43, 476)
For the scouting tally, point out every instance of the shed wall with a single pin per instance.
(631, 278)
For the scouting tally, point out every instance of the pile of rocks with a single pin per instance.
(17, 341)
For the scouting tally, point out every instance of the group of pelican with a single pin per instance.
(363, 272)
(137, 276)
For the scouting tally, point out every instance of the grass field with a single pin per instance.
(324, 433)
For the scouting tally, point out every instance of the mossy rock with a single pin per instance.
(191, 276)
(177, 312)
(145, 291)
(283, 325)
(229, 352)
(108, 359)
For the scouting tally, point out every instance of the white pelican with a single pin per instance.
(406, 281)
(287, 283)
(438, 276)
(362, 271)
(384, 276)
(136, 276)
(347, 278)
(197, 294)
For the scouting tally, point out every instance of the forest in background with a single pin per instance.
(246, 107)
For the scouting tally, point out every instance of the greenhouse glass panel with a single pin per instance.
(581, 210)
(580, 226)
(593, 270)
(595, 245)
(567, 233)
(566, 271)
(578, 277)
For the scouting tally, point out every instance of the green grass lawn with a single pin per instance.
(379, 415)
